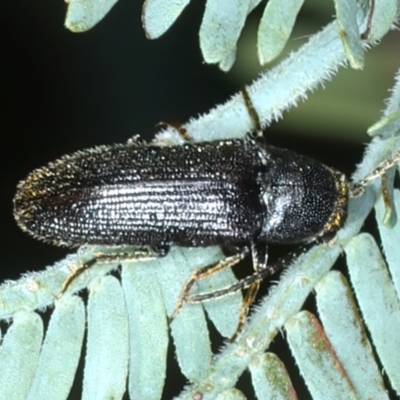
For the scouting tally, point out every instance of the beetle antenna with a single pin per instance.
(357, 189)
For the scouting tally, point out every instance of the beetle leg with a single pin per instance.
(259, 252)
(203, 273)
(144, 254)
(252, 111)
(185, 135)
(251, 282)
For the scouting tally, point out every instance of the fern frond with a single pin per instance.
(223, 21)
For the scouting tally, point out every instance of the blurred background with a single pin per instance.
(63, 91)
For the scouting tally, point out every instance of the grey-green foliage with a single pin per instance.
(126, 319)
(223, 21)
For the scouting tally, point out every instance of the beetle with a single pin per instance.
(224, 192)
(243, 193)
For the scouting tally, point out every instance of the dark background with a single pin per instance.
(63, 91)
